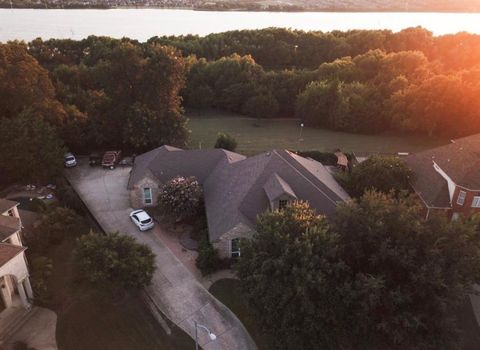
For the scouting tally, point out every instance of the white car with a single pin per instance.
(141, 219)
(70, 160)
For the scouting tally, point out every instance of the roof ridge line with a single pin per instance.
(298, 171)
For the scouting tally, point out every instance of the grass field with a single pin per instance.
(259, 135)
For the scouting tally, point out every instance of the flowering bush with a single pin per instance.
(181, 197)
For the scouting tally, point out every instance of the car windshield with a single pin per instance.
(69, 159)
(146, 221)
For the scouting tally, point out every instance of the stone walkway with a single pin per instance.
(174, 290)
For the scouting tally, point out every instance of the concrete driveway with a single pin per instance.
(174, 290)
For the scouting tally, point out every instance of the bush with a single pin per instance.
(114, 261)
(41, 270)
(380, 173)
(37, 205)
(207, 260)
(326, 158)
(226, 142)
(181, 198)
(53, 228)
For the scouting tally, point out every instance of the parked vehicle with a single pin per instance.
(95, 158)
(69, 160)
(141, 219)
(111, 158)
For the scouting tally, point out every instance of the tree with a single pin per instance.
(381, 173)
(115, 261)
(24, 84)
(181, 197)
(31, 149)
(379, 277)
(262, 105)
(293, 279)
(226, 141)
(409, 274)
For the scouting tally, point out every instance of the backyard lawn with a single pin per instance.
(259, 135)
(228, 292)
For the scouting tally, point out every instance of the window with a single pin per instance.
(235, 248)
(476, 202)
(461, 197)
(282, 204)
(147, 195)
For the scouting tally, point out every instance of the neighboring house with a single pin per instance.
(15, 288)
(236, 189)
(447, 177)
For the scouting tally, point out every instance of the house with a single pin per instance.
(15, 288)
(236, 189)
(447, 177)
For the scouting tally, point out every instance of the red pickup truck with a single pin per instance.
(111, 158)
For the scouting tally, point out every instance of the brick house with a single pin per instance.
(447, 177)
(15, 288)
(236, 188)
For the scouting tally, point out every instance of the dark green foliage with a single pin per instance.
(380, 173)
(41, 269)
(226, 142)
(326, 158)
(114, 261)
(116, 93)
(380, 277)
(181, 198)
(38, 205)
(54, 226)
(31, 149)
(207, 260)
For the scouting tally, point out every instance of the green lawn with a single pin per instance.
(89, 319)
(228, 292)
(259, 135)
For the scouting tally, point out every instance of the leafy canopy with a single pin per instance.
(115, 261)
(379, 277)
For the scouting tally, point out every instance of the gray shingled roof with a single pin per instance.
(8, 226)
(235, 186)
(167, 162)
(276, 186)
(460, 160)
(6, 204)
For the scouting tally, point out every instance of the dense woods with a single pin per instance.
(358, 81)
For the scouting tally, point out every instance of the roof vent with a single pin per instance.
(452, 141)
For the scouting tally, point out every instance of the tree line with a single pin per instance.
(105, 93)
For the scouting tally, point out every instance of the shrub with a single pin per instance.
(226, 141)
(380, 173)
(207, 260)
(41, 270)
(53, 228)
(326, 158)
(181, 198)
(37, 205)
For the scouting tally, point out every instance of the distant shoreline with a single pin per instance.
(326, 10)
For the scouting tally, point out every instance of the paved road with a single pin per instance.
(174, 290)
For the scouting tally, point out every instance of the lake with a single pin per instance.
(141, 24)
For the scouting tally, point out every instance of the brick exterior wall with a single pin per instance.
(465, 209)
(223, 244)
(136, 194)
